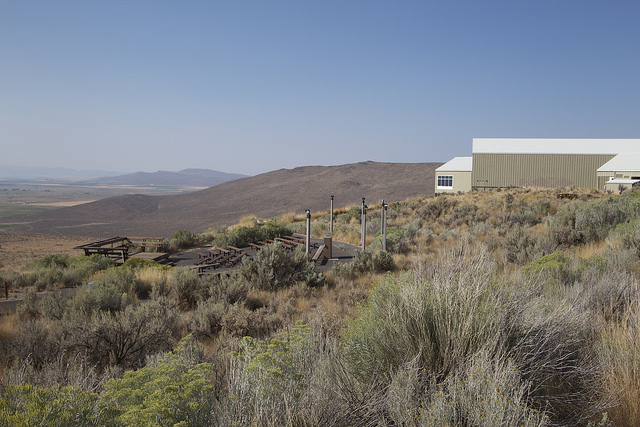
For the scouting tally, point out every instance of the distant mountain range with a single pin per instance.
(26, 172)
(183, 178)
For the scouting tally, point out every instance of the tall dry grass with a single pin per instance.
(9, 331)
(152, 277)
(620, 355)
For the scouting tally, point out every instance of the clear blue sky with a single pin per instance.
(253, 86)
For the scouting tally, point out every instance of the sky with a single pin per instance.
(253, 86)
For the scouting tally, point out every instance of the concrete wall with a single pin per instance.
(538, 170)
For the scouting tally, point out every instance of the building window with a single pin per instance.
(445, 181)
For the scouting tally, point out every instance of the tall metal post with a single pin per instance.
(308, 240)
(331, 221)
(384, 227)
(381, 215)
(364, 225)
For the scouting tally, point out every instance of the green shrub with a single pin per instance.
(228, 289)
(240, 237)
(37, 344)
(489, 393)
(363, 262)
(183, 239)
(51, 261)
(562, 225)
(173, 389)
(444, 316)
(629, 235)
(140, 263)
(354, 213)
(206, 319)
(269, 378)
(99, 296)
(519, 246)
(187, 288)
(53, 306)
(609, 294)
(55, 270)
(466, 213)
(435, 209)
(28, 308)
(80, 268)
(274, 268)
(441, 323)
(399, 240)
(124, 279)
(541, 207)
(383, 262)
(27, 405)
(580, 222)
(619, 258)
(594, 220)
(551, 269)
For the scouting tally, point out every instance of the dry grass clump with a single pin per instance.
(290, 217)
(248, 221)
(9, 331)
(620, 354)
(152, 276)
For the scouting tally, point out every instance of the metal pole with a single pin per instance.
(331, 222)
(307, 243)
(381, 215)
(364, 225)
(384, 227)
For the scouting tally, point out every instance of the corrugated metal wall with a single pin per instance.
(537, 170)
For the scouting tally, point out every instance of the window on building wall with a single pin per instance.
(445, 181)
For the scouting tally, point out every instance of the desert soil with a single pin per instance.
(17, 248)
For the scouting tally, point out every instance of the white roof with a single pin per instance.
(622, 162)
(457, 164)
(623, 181)
(555, 146)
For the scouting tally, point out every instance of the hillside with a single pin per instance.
(266, 195)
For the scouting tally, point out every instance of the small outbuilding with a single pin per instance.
(623, 166)
(617, 185)
(454, 176)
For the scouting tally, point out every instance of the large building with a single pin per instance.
(538, 162)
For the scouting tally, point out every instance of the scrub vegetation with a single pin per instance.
(514, 308)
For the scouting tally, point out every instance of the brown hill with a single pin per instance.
(266, 195)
